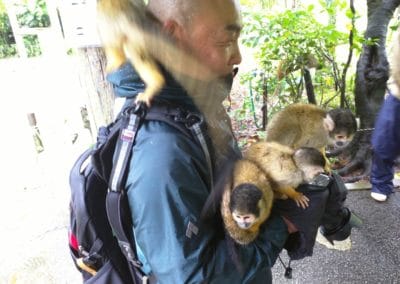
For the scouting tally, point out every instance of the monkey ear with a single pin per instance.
(328, 122)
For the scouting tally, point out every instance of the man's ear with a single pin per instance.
(328, 123)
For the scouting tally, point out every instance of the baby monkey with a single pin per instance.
(287, 168)
(268, 171)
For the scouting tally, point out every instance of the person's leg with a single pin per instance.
(382, 174)
(386, 145)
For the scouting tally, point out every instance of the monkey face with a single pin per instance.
(311, 171)
(341, 139)
(245, 205)
(345, 126)
(244, 221)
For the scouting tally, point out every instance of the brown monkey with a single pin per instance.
(129, 31)
(287, 168)
(246, 202)
(307, 125)
(268, 171)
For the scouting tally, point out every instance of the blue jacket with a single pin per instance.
(167, 185)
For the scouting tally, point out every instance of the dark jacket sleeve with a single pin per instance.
(167, 187)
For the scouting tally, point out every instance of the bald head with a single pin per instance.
(180, 10)
(184, 10)
(207, 29)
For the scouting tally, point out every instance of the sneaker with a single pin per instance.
(378, 196)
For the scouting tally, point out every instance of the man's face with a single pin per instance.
(212, 35)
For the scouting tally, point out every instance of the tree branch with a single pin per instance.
(343, 100)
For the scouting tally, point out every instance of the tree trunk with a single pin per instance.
(371, 76)
(93, 80)
(309, 86)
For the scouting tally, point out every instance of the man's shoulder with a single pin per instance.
(168, 133)
(165, 143)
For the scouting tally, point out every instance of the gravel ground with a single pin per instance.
(374, 255)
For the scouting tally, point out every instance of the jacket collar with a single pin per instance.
(127, 83)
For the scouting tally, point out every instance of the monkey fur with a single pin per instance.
(307, 125)
(286, 167)
(246, 177)
(267, 171)
(122, 25)
(128, 31)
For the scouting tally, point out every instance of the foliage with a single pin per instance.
(7, 41)
(32, 45)
(33, 14)
(263, 4)
(286, 43)
(30, 14)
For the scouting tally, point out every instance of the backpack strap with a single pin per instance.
(189, 124)
(115, 201)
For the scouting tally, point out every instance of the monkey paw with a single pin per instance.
(301, 200)
(143, 98)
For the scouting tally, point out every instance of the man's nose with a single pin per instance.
(236, 56)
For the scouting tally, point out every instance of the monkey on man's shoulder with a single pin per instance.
(129, 32)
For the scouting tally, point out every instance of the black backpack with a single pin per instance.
(101, 238)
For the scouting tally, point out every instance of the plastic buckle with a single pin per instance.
(80, 262)
(145, 280)
(288, 273)
(192, 119)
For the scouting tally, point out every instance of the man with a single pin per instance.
(169, 178)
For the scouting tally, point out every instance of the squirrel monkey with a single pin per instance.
(246, 201)
(129, 31)
(268, 171)
(306, 125)
(122, 26)
(287, 168)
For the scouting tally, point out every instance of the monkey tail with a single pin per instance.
(211, 212)
(212, 206)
